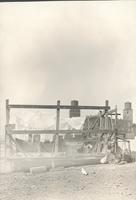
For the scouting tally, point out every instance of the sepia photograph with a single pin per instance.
(68, 100)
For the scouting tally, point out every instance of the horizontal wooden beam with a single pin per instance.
(60, 107)
(114, 114)
(44, 131)
(76, 132)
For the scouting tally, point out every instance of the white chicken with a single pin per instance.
(83, 171)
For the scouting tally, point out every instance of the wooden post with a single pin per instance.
(101, 120)
(7, 112)
(106, 115)
(116, 130)
(106, 121)
(106, 104)
(116, 117)
(129, 149)
(7, 139)
(106, 126)
(57, 127)
(112, 126)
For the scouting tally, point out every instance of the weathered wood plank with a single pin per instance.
(57, 127)
(76, 132)
(7, 112)
(55, 107)
(44, 131)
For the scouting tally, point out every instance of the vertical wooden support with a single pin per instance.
(106, 104)
(57, 127)
(106, 115)
(116, 117)
(7, 112)
(116, 130)
(106, 121)
(30, 138)
(129, 149)
(112, 126)
(7, 139)
(116, 140)
(101, 120)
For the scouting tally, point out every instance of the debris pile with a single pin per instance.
(118, 157)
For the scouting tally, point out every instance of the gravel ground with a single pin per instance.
(104, 182)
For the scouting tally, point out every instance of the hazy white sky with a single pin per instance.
(68, 50)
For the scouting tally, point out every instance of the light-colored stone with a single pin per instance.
(36, 170)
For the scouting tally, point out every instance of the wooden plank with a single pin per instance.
(101, 121)
(7, 112)
(112, 124)
(76, 132)
(55, 107)
(7, 139)
(129, 149)
(44, 131)
(114, 114)
(57, 128)
(94, 124)
(116, 117)
(106, 121)
(106, 105)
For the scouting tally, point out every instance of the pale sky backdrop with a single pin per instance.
(68, 50)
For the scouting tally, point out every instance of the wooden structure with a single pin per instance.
(104, 131)
(102, 136)
(10, 128)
